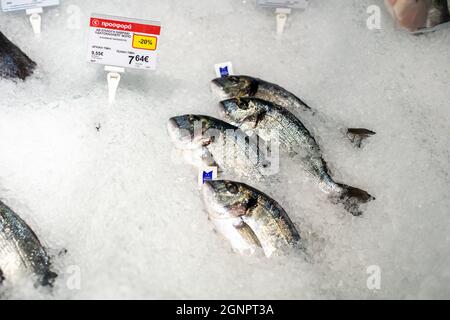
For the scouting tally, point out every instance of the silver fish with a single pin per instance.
(13, 62)
(248, 218)
(219, 142)
(21, 253)
(249, 87)
(270, 121)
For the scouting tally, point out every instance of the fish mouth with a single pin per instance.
(181, 137)
(228, 107)
(210, 188)
(223, 110)
(218, 89)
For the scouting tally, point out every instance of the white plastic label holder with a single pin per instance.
(223, 69)
(35, 18)
(281, 16)
(113, 78)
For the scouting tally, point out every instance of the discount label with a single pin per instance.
(123, 42)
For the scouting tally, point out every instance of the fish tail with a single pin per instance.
(352, 198)
(357, 135)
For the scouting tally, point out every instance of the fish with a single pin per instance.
(241, 86)
(438, 15)
(21, 252)
(248, 218)
(14, 64)
(271, 121)
(220, 144)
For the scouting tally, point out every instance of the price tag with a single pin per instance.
(123, 42)
(15, 5)
(293, 4)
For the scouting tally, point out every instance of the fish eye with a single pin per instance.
(243, 104)
(232, 188)
(252, 202)
(233, 79)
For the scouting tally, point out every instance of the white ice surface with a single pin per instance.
(131, 216)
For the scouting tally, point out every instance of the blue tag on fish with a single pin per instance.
(223, 69)
(224, 72)
(208, 176)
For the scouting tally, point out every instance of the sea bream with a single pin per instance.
(249, 87)
(21, 252)
(220, 144)
(13, 62)
(270, 121)
(248, 218)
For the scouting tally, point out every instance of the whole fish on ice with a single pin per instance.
(271, 121)
(248, 218)
(21, 253)
(13, 62)
(220, 144)
(249, 87)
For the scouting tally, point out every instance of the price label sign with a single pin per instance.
(15, 5)
(123, 42)
(293, 4)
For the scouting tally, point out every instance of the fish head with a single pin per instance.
(226, 199)
(188, 131)
(238, 111)
(234, 86)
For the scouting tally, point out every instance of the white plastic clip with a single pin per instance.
(282, 15)
(113, 78)
(35, 19)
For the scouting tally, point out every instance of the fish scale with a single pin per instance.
(241, 151)
(231, 148)
(272, 121)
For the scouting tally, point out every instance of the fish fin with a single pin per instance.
(207, 142)
(352, 198)
(357, 135)
(254, 119)
(247, 233)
